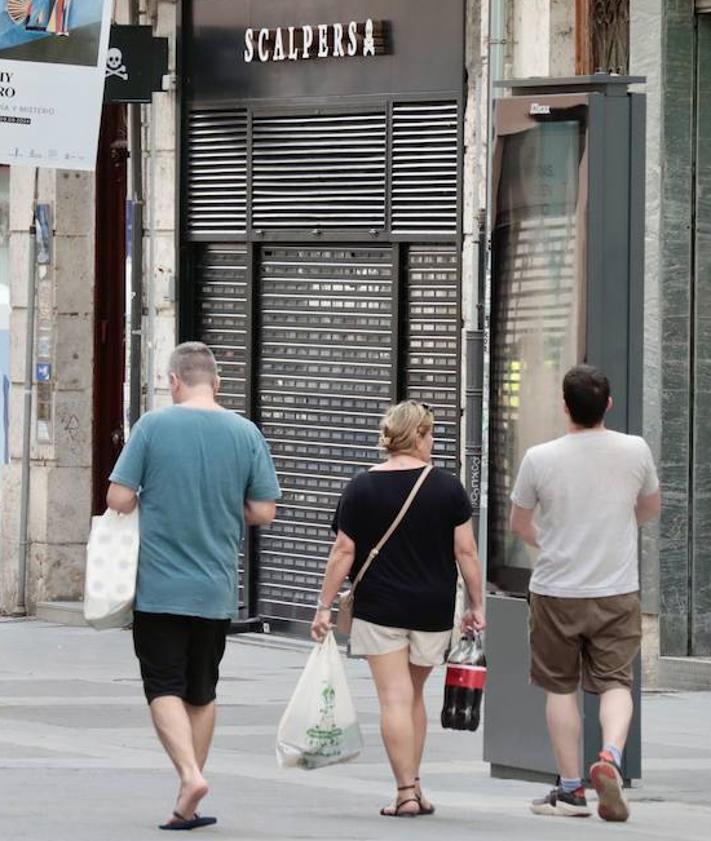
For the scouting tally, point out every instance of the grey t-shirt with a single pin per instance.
(586, 486)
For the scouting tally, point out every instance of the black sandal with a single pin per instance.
(424, 810)
(400, 803)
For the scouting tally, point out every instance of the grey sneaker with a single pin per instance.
(562, 803)
(606, 778)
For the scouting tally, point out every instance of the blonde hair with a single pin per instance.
(400, 425)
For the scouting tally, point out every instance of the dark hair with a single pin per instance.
(586, 391)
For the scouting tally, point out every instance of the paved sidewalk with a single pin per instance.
(79, 761)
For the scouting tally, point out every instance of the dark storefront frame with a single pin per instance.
(401, 246)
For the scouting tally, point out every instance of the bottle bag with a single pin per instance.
(319, 726)
(111, 568)
(464, 684)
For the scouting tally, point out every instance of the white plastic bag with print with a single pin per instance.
(319, 726)
(111, 567)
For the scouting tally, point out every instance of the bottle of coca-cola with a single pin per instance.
(464, 684)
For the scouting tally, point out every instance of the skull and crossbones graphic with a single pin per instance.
(115, 65)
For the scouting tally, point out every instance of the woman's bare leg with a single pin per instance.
(419, 675)
(393, 681)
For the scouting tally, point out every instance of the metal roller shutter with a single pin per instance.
(222, 317)
(432, 360)
(325, 377)
(222, 324)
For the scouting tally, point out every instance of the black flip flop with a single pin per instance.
(188, 823)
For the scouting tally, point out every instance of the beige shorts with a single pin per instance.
(427, 648)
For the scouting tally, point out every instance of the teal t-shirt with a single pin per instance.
(193, 469)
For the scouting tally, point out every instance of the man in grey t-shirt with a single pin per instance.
(589, 490)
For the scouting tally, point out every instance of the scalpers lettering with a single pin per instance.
(324, 40)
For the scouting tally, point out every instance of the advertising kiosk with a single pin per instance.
(566, 287)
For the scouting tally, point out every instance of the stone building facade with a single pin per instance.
(539, 39)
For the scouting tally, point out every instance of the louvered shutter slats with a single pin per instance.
(217, 172)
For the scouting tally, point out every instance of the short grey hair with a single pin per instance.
(193, 363)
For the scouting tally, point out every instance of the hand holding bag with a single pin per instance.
(344, 621)
(111, 568)
(319, 726)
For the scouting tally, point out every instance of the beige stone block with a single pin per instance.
(74, 208)
(164, 337)
(22, 185)
(73, 430)
(68, 505)
(166, 27)
(19, 268)
(39, 490)
(55, 573)
(74, 274)
(38, 451)
(74, 358)
(165, 181)
(10, 520)
(18, 334)
(163, 113)
(163, 399)
(164, 273)
(8, 574)
(12, 502)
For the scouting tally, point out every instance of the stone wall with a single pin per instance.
(60, 483)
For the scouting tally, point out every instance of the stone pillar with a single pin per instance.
(164, 182)
(60, 475)
(542, 38)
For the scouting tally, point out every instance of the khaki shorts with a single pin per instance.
(599, 638)
(427, 648)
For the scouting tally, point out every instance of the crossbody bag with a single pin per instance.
(345, 600)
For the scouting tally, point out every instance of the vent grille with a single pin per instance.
(319, 171)
(424, 168)
(217, 172)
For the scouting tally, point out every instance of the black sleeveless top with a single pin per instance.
(412, 582)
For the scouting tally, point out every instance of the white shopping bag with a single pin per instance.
(111, 567)
(319, 726)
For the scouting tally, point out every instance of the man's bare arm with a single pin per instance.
(259, 512)
(648, 507)
(121, 498)
(522, 525)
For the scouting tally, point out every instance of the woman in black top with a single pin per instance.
(404, 606)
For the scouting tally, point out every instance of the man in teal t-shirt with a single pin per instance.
(199, 475)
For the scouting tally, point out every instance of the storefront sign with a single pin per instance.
(324, 40)
(135, 64)
(288, 50)
(52, 60)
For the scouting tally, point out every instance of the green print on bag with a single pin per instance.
(324, 739)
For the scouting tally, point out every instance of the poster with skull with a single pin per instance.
(53, 62)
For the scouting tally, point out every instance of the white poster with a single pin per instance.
(52, 65)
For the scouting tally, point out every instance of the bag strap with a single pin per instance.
(395, 523)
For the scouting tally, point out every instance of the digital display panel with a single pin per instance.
(537, 304)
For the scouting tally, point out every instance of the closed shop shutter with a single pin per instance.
(432, 347)
(325, 378)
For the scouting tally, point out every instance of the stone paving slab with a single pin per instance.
(79, 761)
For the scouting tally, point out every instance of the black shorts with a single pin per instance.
(179, 655)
